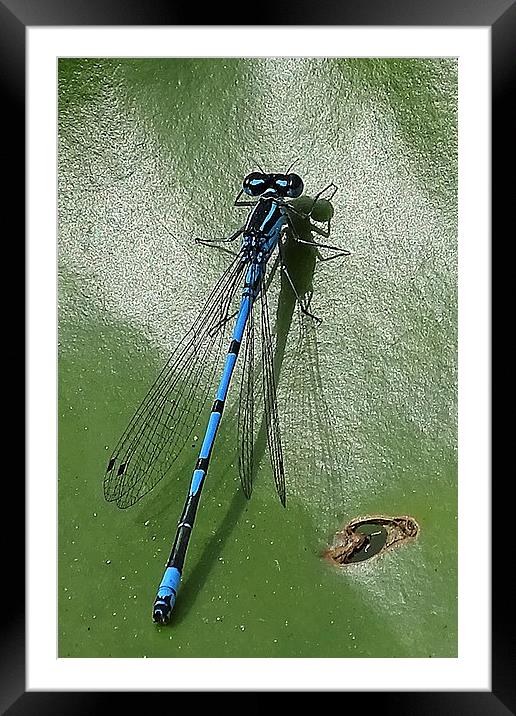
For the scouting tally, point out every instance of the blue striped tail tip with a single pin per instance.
(166, 597)
(162, 609)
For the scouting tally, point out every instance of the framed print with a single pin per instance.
(285, 402)
(258, 262)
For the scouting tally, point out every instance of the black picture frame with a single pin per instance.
(15, 17)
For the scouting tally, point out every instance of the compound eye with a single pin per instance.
(295, 186)
(255, 184)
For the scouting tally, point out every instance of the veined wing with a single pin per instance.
(167, 415)
(270, 400)
(246, 411)
(316, 452)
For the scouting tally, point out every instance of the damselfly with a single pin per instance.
(166, 417)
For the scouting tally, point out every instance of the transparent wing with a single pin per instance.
(167, 415)
(317, 450)
(270, 400)
(246, 411)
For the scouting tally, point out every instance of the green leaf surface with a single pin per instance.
(152, 153)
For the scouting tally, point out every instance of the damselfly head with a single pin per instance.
(284, 185)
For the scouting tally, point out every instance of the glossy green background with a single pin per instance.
(151, 154)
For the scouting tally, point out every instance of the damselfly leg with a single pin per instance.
(237, 201)
(223, 240)
(303, 304)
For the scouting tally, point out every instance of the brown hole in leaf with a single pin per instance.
(366, 537)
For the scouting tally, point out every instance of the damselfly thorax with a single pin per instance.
(262, 230)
